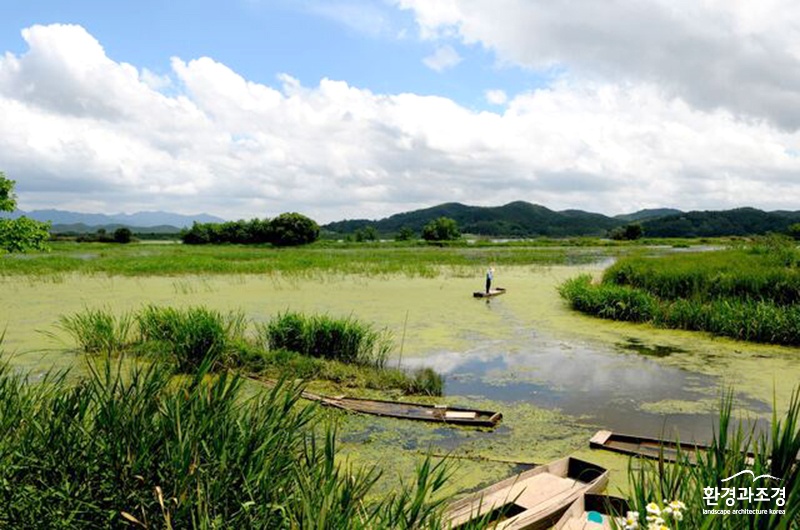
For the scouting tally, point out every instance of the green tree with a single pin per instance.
(629, 232)
(405, 234)
(441, 229)
(123, 235)
(22, 234)
(8, 201)
(368, 233)
(794, 230)
(289, 229)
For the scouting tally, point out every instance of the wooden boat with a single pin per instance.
(411, 411)
(643, 446)
(592, 512)
(492, 292)
(650, 447)
(535, 499)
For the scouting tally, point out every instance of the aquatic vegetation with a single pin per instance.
(189, 335)
(344, 339)
(679, 493)
(139, 448)
(98, 330)
(347, 351)
(744, 294)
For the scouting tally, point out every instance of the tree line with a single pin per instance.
(287, 229)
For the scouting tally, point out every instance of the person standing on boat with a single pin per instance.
(489, 278)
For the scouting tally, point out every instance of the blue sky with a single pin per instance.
(359, 108)
(371, 44)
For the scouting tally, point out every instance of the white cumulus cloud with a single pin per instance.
(82, 131)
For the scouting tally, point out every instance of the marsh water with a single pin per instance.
(556, 375)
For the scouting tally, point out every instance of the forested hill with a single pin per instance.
(737, 222)
(516, 219)
(522, 219)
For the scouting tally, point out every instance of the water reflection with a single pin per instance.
(602, 385)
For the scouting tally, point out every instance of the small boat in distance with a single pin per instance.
(592, 512)
(533, 500)
(492, 292)
(411, 411)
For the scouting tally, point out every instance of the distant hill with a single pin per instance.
(80, 228)
(737, 222)
(138, 219)
(522, 219)
(516, 219)
(644, 215)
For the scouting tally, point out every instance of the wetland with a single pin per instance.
(557, 375)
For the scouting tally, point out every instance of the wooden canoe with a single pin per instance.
(535, 499)
(411, 411)
(643, 446)
(493, 292)
(592, 512)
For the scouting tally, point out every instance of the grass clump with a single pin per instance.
(344, 339)
(745, 293)
(139, 449)
(190, 335)
(694, 476)
(98, 330)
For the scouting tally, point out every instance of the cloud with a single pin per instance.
(740, 56)
(82, 131)
(443, 58)
(496, 97)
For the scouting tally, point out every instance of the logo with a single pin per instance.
(757, 499)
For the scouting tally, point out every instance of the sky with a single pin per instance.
(343, 109)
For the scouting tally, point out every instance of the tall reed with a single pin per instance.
(190, 335)
(691, 479)
(344, 339)
(136, 448)
(99, 330)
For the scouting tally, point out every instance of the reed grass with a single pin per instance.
(139, 449)
(190, 335)
(774, 453)
(346, 351)
(745, 293)
(98, 330)
(343, 339)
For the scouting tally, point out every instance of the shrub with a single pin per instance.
(291, 229)
(441, 229)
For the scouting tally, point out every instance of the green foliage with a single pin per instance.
(773, 452)
(794, 231)
(288, 229)
(123, 235)
(137, 448)
(291, 229)
(344, 339)
(747, 294)
(23, 235)
(190, 335)
(405, 234)
(8, 201)
(368, 233)
(441, 229)
(98, 330)
(629, 232)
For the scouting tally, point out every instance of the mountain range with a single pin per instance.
(137, 220)
(515, 219)
(523, 219)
